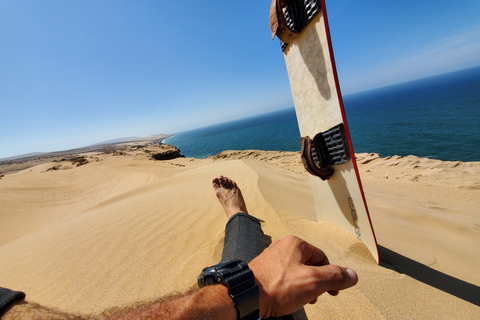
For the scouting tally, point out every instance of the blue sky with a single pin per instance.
(74, 73)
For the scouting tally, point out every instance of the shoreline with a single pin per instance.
(19, 163)
(458, 174)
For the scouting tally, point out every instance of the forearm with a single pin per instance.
(34, 311)
(289, 274)
(211, 302)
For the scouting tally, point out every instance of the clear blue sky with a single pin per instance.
(74, 73)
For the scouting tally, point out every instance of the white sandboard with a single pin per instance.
(316, 94)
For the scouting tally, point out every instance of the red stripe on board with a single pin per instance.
(337, 84)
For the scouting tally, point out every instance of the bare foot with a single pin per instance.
(229, 195)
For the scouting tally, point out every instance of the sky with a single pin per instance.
(74, 73)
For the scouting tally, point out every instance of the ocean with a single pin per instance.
(436, 118)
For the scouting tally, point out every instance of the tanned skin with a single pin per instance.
(290, 273)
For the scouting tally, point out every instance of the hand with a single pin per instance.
(292, 273)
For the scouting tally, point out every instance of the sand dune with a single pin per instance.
(123, 228)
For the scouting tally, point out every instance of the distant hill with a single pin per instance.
(113, 141)
(26, 155)
(105, 145)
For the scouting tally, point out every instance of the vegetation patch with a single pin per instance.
(167, 155)
(79, 161)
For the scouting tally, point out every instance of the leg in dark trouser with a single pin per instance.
(244, 238)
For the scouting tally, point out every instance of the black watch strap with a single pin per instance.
(8, 297)
(240, 281)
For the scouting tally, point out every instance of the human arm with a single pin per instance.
(290, 273)
(210, 302)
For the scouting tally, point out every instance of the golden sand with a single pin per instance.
(123, 228)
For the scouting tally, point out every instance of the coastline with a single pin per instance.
(105, 233)
(18, 163)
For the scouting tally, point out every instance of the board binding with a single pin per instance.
(325, 150)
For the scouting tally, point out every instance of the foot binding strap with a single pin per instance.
(324, 150)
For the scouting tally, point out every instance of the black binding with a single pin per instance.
(324, 150)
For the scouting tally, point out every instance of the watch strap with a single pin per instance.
(240, 281)
(244, 291)
(247, 301)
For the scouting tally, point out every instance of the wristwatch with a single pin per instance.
(240, 281)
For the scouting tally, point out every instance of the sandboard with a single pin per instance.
(327, 151)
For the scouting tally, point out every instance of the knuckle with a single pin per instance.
(291, 238)
(338, 274)
(290, 241)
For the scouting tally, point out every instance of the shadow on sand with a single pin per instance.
(456, 287)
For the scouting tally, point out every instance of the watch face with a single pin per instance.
(222, 271)
(208, 277)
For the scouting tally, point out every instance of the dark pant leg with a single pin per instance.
(244, 238)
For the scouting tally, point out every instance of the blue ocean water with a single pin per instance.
(272, 131)
(437, 118)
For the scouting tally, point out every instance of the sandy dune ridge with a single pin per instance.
(121, 227)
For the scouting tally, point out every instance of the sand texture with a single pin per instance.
(115, 228)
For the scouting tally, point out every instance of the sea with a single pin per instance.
(436, 118)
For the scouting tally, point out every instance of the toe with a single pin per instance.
(224, 183)
(216, 183)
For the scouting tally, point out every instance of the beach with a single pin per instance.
(102, 229)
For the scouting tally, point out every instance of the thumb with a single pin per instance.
(333, 278)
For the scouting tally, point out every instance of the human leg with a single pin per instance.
(244, 238)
